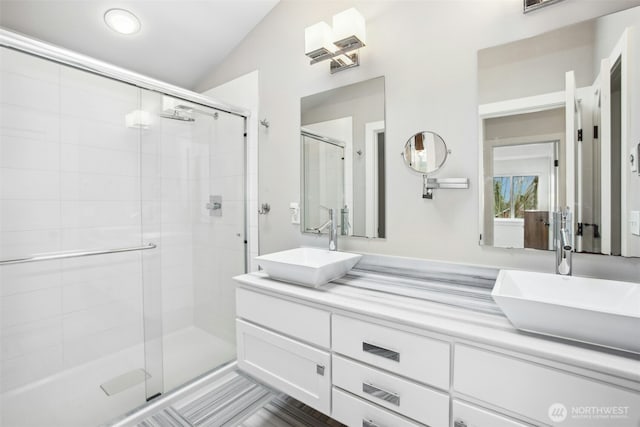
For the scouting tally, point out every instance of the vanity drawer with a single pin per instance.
(398, 394)
(419, 358)
(466, 415)
(530, 389)
(299, 370)
(354, 412)
(289, 318)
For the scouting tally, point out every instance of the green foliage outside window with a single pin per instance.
(513, 195)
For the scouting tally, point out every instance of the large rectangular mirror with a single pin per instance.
(342, 138)
(557, 130)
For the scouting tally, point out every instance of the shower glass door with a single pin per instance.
(194, 159)
(71, 325)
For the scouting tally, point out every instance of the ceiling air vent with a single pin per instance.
(530, 5)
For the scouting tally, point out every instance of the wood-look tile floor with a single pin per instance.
(238, 401)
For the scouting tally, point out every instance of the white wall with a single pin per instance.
(244, 91)
(427, 52)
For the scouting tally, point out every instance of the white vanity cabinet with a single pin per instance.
(468, 415)
(267, 348)
(418, 357)
(370, 365)
(529, 389)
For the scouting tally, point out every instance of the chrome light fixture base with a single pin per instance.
(339, 63)
(342, 59)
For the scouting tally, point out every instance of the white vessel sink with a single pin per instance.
(602, 312)
(308, 266)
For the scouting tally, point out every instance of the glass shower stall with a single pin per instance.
(122, 222)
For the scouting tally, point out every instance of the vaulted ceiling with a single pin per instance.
(180, 41)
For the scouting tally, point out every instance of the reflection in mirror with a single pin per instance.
(343, 151)
(323, 160)
(425, 152)
(573, 87)
(525, 194)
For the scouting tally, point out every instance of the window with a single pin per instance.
(513, 195)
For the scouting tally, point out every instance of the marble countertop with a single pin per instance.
(479, 324)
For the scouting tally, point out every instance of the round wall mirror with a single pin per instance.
(425, 152)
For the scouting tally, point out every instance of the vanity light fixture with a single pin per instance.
(336, 43)
(122, 21)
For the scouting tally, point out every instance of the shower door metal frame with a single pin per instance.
(34, 47)
(54, 53)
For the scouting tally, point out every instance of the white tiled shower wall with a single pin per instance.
(69, 181)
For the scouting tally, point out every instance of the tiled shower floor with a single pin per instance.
(188, 353)
(236, 400)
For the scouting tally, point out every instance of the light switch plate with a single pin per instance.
(634, 223)
(294, 210)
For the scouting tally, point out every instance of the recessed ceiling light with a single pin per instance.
(122, 21)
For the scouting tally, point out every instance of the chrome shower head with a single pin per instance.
(177, 115)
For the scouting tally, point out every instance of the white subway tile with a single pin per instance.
(176, 189)
(81, 324)
(99, 134)
(177, 297)
(179, 276)
(21, 278)
(174, 167)
(77, 158)
(25, 91)
(102, 237)
(29, 184)
(19, 215)
(176, 212)
(97, 103)
(99, 291)
(30, 337)
(32, 367)
(231, 187)
(177, 319)
(31, 306)
(230, 164)
(106, 343)
(17, 244)
(25, 153)
(29, 65)
(228, 236)
(24, 122)
(87, 187)
(113, 267)
(151, 166)
(77, 214)
(98, 86)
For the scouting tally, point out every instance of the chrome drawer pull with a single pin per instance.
(459, 423)
(387, 396)
(380, 351)
(369, 423)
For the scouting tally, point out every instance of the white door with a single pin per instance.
(604, 83)
(571, 119)
(299, 370)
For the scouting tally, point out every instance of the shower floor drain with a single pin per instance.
(124, 381)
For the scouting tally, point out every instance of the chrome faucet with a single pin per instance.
(333, 229)
(562, 241)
